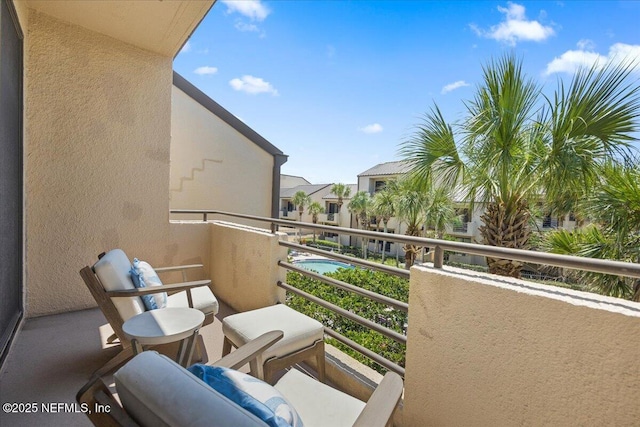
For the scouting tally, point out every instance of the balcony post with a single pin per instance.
(438, 257)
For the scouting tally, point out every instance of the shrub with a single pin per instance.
(378, 282)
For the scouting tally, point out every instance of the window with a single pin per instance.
(379, 186)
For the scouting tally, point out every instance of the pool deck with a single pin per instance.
(305, 256)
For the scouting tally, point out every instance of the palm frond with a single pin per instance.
(432, 150)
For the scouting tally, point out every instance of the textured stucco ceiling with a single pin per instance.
(155, 25)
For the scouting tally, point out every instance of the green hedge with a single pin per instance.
(381, 283)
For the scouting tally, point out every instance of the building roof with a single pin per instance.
(389, 168)
(301, 180)
(295, 176)
(224, 115)
(287, 193)
(352, 187)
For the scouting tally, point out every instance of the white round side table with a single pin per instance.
(163, 326)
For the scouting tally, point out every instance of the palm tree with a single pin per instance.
(440, 211)
(359, 205)
(384, 208)
(341, 191)
(615, 208)
(410, 205)
(315, 208)
(517, 146)
(300, 199)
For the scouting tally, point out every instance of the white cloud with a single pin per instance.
(586, 44)
(571, 60)
(454, 86)
(205, 71)
(252, 9)
(244, 27)
(372, 128)
(253, 85)
(515, 27)
(186, 48)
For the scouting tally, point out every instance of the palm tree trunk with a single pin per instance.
(506, 228)
(384, 242)
(411, 251)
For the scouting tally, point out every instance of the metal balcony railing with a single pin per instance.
(565, 261)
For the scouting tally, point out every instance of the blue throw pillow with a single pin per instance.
(257, 397)
(143, 275)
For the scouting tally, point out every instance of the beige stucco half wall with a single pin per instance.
(509, 352)
(213, 166)
(97, 146)
(244, 265)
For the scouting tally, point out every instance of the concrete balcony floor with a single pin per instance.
(54, 356)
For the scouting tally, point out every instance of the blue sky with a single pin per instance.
(338, 85)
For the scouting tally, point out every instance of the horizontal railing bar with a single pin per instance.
(347, 287)
(380, 360)
(345, 313)
(351, 260)
(617, 268)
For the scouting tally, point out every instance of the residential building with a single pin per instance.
(290, 181)
(372, 181)
(465, 229)
(290, 211)
(332, 216)
(209, 146)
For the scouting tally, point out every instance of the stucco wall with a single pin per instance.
(509, 352)
(244, 265)
(97, 136)
(213, 166)
(290, 181)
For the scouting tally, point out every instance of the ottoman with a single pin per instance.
(303, 338)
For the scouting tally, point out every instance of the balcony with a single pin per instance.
(289, 215)
(328, 218)
(482, 350)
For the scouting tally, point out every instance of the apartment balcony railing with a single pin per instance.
(438, 246)
(460, 319)
(328, 218)
(284, 213)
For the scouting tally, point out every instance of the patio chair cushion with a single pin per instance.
(203, 300)
(300, 331)
(317, 404)
(144, 276)
(156, 391)
(256, 396)
(113, 271)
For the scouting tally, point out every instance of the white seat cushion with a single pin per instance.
(203, 300)
(300, 331)
(318, 404)
(156, 391)
(113, 271)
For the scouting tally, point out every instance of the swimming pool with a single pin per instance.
(322, 266)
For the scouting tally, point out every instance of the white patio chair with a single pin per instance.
(109, 281)
(155, 391)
